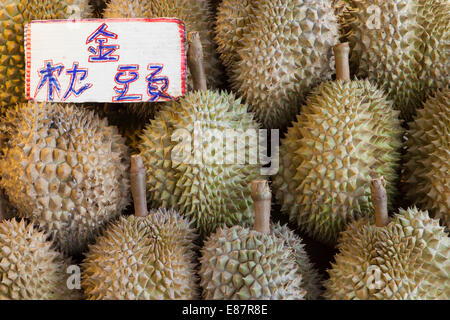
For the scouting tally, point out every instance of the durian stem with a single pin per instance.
(341, 56)
(261, 196)
(379, 201)
(137, 179)
(195, 60)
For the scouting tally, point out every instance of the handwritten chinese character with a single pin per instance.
(47, 76)
(126, 74)
(74, 73)
(103, 52)
(157, 85)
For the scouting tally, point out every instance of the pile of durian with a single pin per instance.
(359, 91)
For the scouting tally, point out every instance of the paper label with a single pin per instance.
(105, 60)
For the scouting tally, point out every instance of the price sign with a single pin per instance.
(105, 60)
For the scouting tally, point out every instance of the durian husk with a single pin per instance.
(142, 258)
(407, 54)
(14, 14)
(285, 51)
(64, 168)
(207, 193)
(233, 18)
(426, 172)
(407, 259)
(30, 267)
(310, 277)
(347, 131)
(239, 263)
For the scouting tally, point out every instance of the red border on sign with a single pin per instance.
(181, 26)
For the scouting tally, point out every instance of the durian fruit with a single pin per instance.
(14, 14)
(196, 15)
(405, 258)
(142, 257)
(30, 267)
(402, 45)
(427, 170)
(310, 276)
(182, 149)
(65, 168)
(244, 264)
(346, 131)
(233, 18)
(285, 51)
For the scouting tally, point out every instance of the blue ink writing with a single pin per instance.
(153, 80)
(74, 73)
(103, 52)
(126, 74)
(47, 76)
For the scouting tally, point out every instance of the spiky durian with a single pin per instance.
(347, 131)
(64, 168)
(14, 14)
(401, 45)
(409, 259)
(285, 52)
(233, 18)
(427, 171)
(184, 153)
(30, 268)
(406, 258)
(196, 14)
(310, 277)
(142, 258)
(239, 263)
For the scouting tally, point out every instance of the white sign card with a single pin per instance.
(105, 60)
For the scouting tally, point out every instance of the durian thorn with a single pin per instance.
(379, 201)
(195, 60)
(261, 196)
(137, 179)
(341, 57)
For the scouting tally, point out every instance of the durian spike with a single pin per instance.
(261, 196)
(195, 60)
(341, 57)
(379, 200)
(137, 179)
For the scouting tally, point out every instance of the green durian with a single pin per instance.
(208, 193)
(136, 258)
(285, 51)
(346, 131)
(310, 277)
(142, 257)
(402, 45)
(64, 168)
(14, 14)
(240, 263)
(30, 267)
(427, 170)
(233, 18)
(405, 258)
